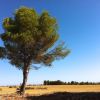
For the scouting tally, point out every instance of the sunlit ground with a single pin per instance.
(39, 90)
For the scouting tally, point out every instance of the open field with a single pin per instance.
(40, 90)
(58, 91)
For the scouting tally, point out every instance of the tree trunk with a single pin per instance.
(25, 75)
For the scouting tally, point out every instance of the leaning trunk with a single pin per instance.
(25, 75)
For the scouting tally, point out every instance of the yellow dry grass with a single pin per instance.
(39, 90)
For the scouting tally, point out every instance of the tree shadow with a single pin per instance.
(67, 96)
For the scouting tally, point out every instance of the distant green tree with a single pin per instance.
(29, 39)
(58, 82)
(72, 82)
(45, 82)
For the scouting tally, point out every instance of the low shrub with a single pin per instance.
(28, 88)
(12, 86)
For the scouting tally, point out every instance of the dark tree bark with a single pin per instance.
(25, 75)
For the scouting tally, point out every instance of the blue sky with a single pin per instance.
(79, 27)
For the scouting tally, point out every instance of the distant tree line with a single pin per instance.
(58, 82)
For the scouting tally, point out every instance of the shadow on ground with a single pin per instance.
(56, 96)
(67, 96)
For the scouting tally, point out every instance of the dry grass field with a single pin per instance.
(40, 90)
(32, 91)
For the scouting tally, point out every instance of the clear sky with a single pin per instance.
(79, 27)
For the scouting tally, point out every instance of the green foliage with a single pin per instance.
(2, 53)
(58, 82)
(28, 38)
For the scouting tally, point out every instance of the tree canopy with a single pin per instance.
(28, 37)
